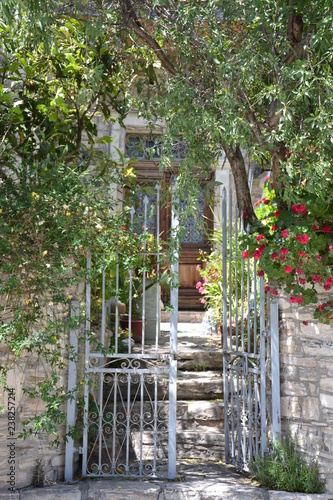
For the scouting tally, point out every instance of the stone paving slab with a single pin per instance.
(196, 481)
(134, 490)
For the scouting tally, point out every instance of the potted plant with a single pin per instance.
(139, 274)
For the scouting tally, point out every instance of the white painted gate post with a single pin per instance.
(275, 359)
(71, 403)
(173, 344)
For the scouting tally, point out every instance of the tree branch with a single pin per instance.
(151, 42)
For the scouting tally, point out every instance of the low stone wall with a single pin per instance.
(17, 456)
(306, 369)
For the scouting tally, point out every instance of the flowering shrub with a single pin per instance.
(296, 249)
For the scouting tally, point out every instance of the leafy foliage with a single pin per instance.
(54, 174)
(283, 468)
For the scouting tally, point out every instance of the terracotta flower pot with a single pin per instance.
(136, 326)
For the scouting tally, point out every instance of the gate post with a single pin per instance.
(225, 321)
(173, 342)
(71, 402)
(275, 359)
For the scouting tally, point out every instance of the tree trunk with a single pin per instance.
(278, 157)
(238, 169)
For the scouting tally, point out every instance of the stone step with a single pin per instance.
(200, 445)
(200, 430)
(199, 360)
(191, 385)
(205, 415)
(206, 385)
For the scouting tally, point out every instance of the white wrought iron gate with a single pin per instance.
(246, 329)
(130, 388)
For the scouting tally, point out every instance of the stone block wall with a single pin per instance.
(306, 372)
(17, 456)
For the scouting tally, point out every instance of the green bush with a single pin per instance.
(283, 468)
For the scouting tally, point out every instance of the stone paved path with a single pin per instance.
(195, 481)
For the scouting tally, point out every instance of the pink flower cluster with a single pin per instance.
(296, 300)
(328, 283)
(273, 291)
(258, 252)
(302, 238)
(299, 209)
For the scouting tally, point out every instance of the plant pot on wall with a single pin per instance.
(136, 326)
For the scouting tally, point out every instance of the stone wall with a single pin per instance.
(306, 369)
(17, 456)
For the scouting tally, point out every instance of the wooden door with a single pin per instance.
(193, 240)
(195, 235)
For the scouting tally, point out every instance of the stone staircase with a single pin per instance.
(200, 409)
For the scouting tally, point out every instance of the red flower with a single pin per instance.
(305, 323)
(318, 258)
(315, 228)
(245, 214)
(296, 300)
(260, 237)
(288, 269)
(256, 254)
(300, 262)
(245, 254)
(301, 254)
(315, 278)
(266, 201)
(302, 281)
(328, 303)
(274, 255)
(261, 273)
(285, 233)
(198, 285)
(284, 251)
(326, 229)
(276, 214)
(299, 209)
(274, 228)
(123, 227)
(299, 270)
(331, 247)
(328, 283)
(321, 307)
(261, 248)
(302, 238)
